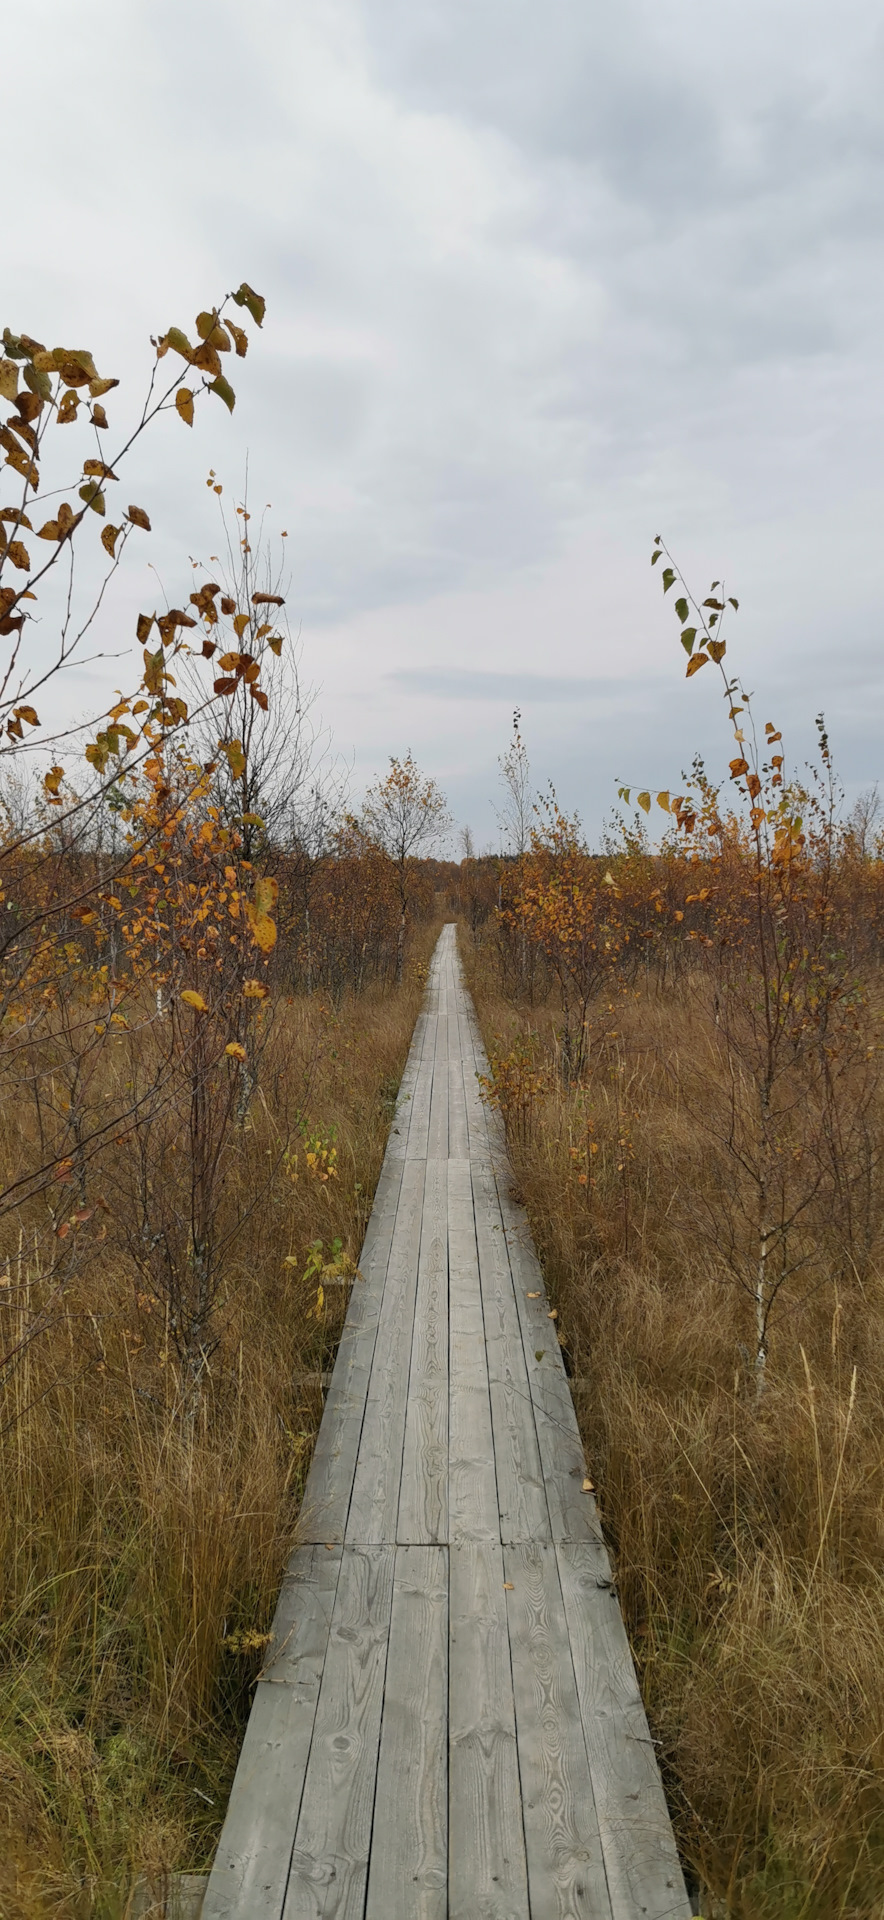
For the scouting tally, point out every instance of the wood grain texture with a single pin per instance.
(330, 1480)
(573, 1514)
(408, 1878)
(374, 1503)
(251, 1866)
(472, 1482)
(521, 1495)
(437, 1128)
(566, 1873)
(332, 1842)
(641, 1862)
(423, 1496)
(487, 1874)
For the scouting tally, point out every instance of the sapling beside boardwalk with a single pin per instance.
(447, 1721)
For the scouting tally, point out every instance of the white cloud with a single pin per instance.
(541, 283)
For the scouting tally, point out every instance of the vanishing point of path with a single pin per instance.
(448, 1725)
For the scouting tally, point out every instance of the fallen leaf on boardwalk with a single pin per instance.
(329, 1546)
(539, 1353)
(532, 1296)
(508, 1587)
(587, 1487)
(554, 1314)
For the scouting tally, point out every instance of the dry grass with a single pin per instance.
(748, 1535)
(141, 1559)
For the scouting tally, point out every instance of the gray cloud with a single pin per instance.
(541, 283)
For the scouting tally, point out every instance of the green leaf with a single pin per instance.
(668, 578)
(257, 305)
(93, 497)
(179, 342)
(655, 556)
(644, 801)
(224, 391)
(687, 639)
(39, 383)
(682, 609)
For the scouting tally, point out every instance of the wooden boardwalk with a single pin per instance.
(448, 1726)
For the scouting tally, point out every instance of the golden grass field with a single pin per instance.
(142, 1554)
(748, 1533)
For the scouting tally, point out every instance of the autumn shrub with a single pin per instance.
(747, 1531)
(142, 1554)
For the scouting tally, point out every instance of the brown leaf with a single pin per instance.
(240, 338)
(260, 698)
(18, 519)
(51, 531)
(267, 600)
(98, 470)
(108, 539)
(98, 417)
(228, 606)
(206, 358)
(142, 630)
(30, 405)
(19, 556)
(8, 380)
(67, 409)
(139, 518)
(66, 517)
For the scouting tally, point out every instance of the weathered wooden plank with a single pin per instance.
(419, 1119)
(573, 1514)
(566, 1873)
(374, 1503)
(408, 1878)
(329, 1864)
(332, 1469)
(487, 1875)
(398, 1140)
(458, 1133)
(251, 1866)
(641, 1862)
(472, 1484)
(521, 1495)
(423, 1496)
(437, 1130)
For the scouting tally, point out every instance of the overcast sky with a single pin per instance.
(542, 282)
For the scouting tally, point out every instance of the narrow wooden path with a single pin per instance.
(448, 1726)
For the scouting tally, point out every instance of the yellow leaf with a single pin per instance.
(235, 1051)
(108, 538)
(240, 624)
(236, 759)
(588, 1487)
(508, 1587)
(663, 801)
(533, 1296)
(8, 379)
(195, 1000)
(254, 990)
(184, 403)
(697, 661)
(266, 894)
